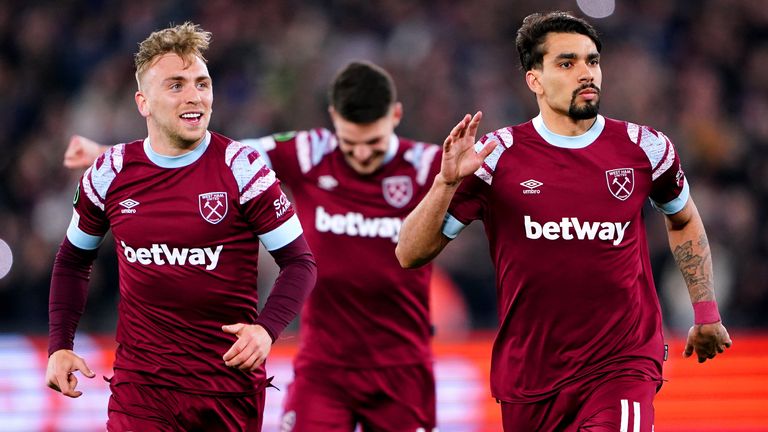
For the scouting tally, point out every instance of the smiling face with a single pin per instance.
(176, 96)
(365, 146)
(569, 78)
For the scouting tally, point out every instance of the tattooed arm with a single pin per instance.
(690, 248)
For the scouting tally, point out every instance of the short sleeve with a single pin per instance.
(89, 221)
(263, 203)
(669, 189)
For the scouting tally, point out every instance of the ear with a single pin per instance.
(141, 103)
(397, 113)
(532, 78)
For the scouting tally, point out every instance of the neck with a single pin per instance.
(165, 145)
(562, 124)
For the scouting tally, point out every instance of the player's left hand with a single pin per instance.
(707, 340)
(251, 349)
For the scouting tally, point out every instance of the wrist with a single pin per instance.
(268, 330)
(441, 180)
(705, 312)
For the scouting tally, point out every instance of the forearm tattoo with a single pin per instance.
(696, 266)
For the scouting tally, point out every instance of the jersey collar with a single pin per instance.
(394, 145)
(177, 161)
(570, 142)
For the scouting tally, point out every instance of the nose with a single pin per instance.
(193, 95)
(585, 73)
(361, 152)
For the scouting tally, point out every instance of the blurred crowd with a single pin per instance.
(694, 69)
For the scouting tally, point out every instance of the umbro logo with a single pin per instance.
(128, 205)
(531, 186)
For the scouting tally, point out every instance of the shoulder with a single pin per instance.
(656, 146)
(423, 157)
(248, 168)
(309, 147)
(312, 146)
(98, 178)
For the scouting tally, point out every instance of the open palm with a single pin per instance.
(459, 156)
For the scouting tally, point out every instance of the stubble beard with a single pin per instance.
(177, 138)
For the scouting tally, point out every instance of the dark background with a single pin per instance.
(696, 70)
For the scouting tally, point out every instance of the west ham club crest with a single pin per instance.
(621, 182)
(213, 206)
(398, 190)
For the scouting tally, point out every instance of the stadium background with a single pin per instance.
(695, 69)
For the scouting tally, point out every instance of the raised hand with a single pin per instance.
(81, 152)
(60, 372)
(459, 156)
(707, 341)
(251, 349)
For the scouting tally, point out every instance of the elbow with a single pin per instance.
(407, 259)
(402, 257)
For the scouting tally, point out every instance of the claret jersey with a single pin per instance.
(365, 310)
(565, 227)
(187, 232)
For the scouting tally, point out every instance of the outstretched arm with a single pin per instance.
(690, 247)
(421, 237)
(81, 152)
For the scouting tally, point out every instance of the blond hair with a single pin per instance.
(187, 41)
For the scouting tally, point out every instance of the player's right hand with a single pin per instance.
(81, 152)
(459, 156)
(60, 372)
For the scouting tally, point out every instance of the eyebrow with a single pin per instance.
(181, 78)
(571, 56)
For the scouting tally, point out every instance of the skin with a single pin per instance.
(175, 98)
(364, 146)
(571, 64)
(570, 67)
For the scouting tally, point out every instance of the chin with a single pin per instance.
(364, 170)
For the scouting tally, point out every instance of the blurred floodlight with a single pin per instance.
(597, 8)
(6, 258)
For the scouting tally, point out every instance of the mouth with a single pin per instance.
(193, 118)
(589, 94)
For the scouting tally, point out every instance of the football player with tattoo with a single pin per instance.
(580, 344)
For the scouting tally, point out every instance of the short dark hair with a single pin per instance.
(533, 32)
(362, 92)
